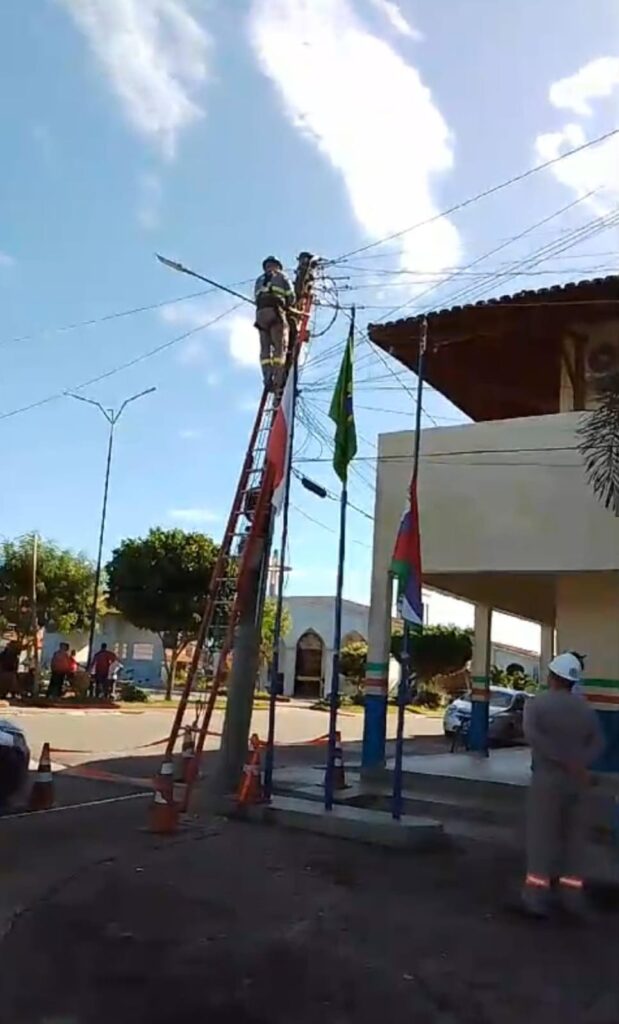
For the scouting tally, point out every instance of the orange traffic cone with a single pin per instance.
(42, 792)
(250, 790)
(339, 775)
(163, 815)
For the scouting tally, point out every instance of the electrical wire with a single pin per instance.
(95, 321)
(324, 526)
(492, 190)
(122, 366)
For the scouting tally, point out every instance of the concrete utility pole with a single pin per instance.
(112, 418)
(241, 685)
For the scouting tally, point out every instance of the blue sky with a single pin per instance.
(216, 131)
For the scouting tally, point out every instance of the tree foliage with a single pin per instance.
(160, 582)
(267, 638)
(65, 587)
(353, 660)
(437, 650)
(598, 442)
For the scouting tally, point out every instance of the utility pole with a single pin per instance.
(112, 418)
(34, 612)
(241, 685)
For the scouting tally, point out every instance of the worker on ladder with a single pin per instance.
(274, 299)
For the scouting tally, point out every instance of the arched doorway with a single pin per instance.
(308, 666)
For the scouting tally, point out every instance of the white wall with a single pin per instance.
(317, 614)
(507, 496)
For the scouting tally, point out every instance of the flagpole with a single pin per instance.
(343, 415)
(405, 655)
(337, 643)
(277, 626)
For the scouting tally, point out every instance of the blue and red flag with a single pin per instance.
(406, 562)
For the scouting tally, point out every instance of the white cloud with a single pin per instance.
(396, 19)
(243, 343)
(190, 434)
(6, 260)
(213, 379)
(155, 55)
(194, 515)
(594, 168)
(238, 330)
(368, 112)
(596, 80)
(150, 195)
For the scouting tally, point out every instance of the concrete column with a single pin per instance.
(377, 674)
(546, 650)
(478, 734)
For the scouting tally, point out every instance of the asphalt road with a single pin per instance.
(106, 734)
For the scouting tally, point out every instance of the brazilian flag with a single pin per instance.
(341, 411)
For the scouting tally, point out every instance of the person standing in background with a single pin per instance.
(60, 669)
(565, 738)
(100, 669)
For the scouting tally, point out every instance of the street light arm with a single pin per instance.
(90, 401)
(133, 398)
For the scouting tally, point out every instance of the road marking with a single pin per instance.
(74, 807)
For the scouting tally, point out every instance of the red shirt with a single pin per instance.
(102, 661)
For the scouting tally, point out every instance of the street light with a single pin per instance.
(112, 418)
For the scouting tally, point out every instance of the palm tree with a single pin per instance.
(598, 442)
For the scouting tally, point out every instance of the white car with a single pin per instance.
(505, 714)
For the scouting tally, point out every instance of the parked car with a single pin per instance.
(14, 760)
(505, 714)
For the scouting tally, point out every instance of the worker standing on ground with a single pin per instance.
(565, 738)
(274, 298)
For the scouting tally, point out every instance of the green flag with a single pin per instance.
(341, 411)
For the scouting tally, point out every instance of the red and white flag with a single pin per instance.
(278, 447)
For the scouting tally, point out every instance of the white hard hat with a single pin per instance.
(566, 666)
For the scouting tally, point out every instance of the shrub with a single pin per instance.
(132, 694)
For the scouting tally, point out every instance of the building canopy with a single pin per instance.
(501, 358)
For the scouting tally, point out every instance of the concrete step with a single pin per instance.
(445, 806)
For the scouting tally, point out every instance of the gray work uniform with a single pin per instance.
(560, 727)
(274, 295)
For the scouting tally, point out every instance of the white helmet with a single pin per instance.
(567, 666)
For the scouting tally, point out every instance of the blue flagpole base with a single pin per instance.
(374, 732)
(478, 729)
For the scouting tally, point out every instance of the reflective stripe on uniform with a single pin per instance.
(537, 882)
(571, 883)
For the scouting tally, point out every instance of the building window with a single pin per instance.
(143, 652)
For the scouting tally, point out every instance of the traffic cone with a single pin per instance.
(187, 752)
(250, 790)
(42, 792)
(339, 775)
(163, 814)
(187, 770)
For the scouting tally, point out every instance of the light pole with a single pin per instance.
(112, 418)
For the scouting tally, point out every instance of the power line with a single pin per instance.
(95, 321)
(324, 526)
(482, 195)
(120, 367)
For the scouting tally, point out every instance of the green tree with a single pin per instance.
(353, 661)
(436, 650)
(268, 629)
(160, 582)
(64, 592)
